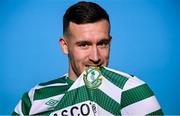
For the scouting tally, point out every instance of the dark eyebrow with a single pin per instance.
(105, 41)
(83, 42)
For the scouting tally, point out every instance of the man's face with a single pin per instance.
(87, 45)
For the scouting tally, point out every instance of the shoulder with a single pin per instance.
(60, 80)
(48, 89)
(41, 94)
(121, 79)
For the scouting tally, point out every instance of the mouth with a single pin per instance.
(93, 65)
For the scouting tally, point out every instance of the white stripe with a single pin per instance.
(40, 105)
(132, 83)
(93, 110)
(18, 108)
(102, 112)
(143, 107)
(72, 111)
(111, 90)
(78, 83)
(119, 72)
(31, 93)
(51, 85)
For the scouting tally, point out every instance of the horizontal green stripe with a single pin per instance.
(158, 112)
(105, 101)
(59, 80)
(50, 91)
(135, 94)
(115, 78)
(26, 104)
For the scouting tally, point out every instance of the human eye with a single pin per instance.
(83, 45)
(103, 43)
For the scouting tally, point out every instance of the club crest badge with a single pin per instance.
(92, 77)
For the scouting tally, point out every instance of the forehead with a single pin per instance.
(95, 30)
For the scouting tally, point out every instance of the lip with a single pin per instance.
(93, 65)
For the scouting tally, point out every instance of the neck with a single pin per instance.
(72, 74)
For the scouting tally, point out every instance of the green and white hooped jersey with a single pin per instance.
(100, 93)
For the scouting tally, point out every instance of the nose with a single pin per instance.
(94, 56)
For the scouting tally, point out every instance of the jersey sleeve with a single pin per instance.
(138, 99)
(24, 105)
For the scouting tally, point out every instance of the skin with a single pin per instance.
(86, 45)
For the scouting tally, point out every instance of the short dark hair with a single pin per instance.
(82, 13)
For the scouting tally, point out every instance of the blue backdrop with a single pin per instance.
(145, 43)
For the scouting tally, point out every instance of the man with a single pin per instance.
(89, 88)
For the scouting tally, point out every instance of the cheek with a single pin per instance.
(105, 57)
(80, 59)
(104, 54)
(78, 55)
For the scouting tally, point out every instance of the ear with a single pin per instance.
(63, 45)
